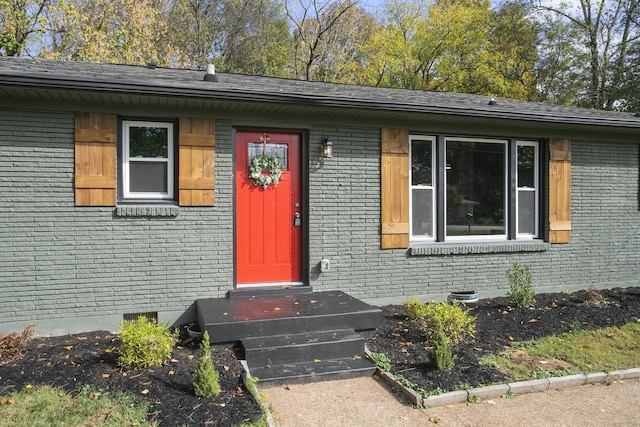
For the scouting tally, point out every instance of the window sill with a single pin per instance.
(416, 249)
(148, 211)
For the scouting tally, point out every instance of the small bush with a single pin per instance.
(206, 382)
(451, 318)
(12, 346)
(521, 292)
(415, 309)
(145, 343)
(441, 356)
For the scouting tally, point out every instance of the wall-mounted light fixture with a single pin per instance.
(327, 147)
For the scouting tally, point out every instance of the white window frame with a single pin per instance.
(439, 185)
(535, 189)
(432, 187)
(169, 160)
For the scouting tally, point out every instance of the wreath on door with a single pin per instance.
(260, 165)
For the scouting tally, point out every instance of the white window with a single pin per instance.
(422, 188)
(147, 160)
(527, 194)
(473, 189)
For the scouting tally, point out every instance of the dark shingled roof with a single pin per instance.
(141, 80)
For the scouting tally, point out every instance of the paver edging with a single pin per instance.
(253, 391)
(519, 387)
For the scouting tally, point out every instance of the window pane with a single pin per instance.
(526, 212)
(475, 188)
(421, 163)
(526, 164)
(148, 177)
(150, 142)
(276, 150)
(422, 212)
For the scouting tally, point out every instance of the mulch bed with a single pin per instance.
(74, 361)
(496, 328)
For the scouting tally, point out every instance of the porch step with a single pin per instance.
(298, 348)
(314, 370)
(293, 336)
(234, 319)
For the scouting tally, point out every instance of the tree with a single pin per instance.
(21, 21)
(605, 31)
(313, 23)
(243, 36)
(117, 31)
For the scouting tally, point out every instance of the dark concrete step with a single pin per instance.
(234, 319)
(306, 347)
(316, 370)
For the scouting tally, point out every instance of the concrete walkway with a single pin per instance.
(370, 402)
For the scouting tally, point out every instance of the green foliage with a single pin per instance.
(47, 406)
(145, 343)
(415, 309)
(452, 319)
(521, 292)
(381, 361)
(206, 382)
(13, 345)
(442, 356)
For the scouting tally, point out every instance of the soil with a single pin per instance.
(497, 326)
(74, 361)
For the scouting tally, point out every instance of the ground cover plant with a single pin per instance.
(404, 346)
(73, 364)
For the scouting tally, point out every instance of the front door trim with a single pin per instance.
(304, 190)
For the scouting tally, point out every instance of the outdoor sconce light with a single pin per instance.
(327, 147)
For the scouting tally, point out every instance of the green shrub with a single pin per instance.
(145, 343)
(441, 356)
(450, 318)
(415, 309)
(206, 382)
(521, 292)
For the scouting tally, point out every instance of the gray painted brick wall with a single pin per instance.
(61, 262)
(81, 268)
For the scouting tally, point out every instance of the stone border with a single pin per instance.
(255, 393)
(499, 390)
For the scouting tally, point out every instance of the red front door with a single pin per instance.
(268, 220)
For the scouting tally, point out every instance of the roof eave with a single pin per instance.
(60, 82)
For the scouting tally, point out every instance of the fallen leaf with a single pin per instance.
(317, 360)
(491, 402)
(92, 395)
(395, 334)
(145, 391)
(287, 387)
(106, 375)
(68, 347)
(533, 320)
(264, 395)
(28, 386)
(222, 405)
(554, 305)
(510, 338)
(81, 338)
(313, 301)
(191, 356)
(174, 360)
(239, 390)
(226, 368)
(172, 372)
(10, 401)
(107, 350)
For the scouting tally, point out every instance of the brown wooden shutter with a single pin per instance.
(196, 174)
(395, 188)
(559, 190)
(95, 159)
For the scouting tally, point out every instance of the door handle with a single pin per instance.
(297, 220)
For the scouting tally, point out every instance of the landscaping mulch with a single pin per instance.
(402, 341)
(76, 361)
